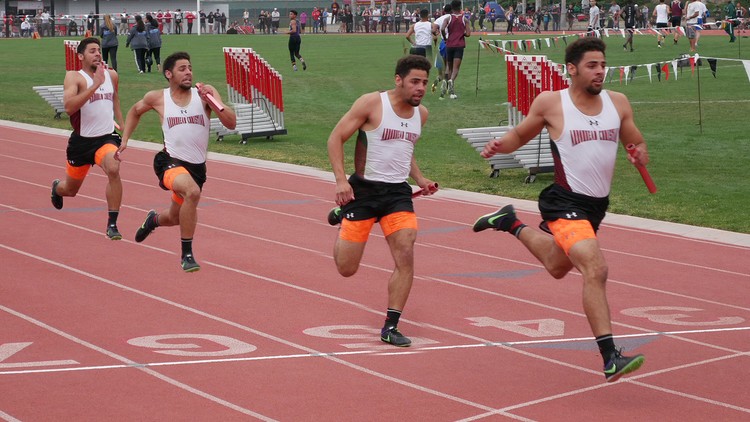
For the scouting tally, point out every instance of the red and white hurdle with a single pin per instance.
(255, 90)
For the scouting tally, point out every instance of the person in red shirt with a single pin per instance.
(316, 19)
(160, 18)
(168, 22)
(189, 17)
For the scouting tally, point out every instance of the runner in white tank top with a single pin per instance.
(186, 129)
(388, 125)
(181, 165)
(96, 117)
(585, 123)
(91, 100)
(390, 146)
(587, 147)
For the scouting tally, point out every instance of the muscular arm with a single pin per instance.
(227, 117)
(357, 116)
(427, 185)
(629, 132)
(153, 100)
(530, 127)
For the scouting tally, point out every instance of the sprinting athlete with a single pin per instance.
(185, 116)
(586, 125)
(389, 124)
(91, 99)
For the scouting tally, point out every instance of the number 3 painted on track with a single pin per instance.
(650, 313)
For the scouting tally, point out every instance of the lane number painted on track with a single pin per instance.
(168, 346)
(676, 315)
(9, 349)
(359, 332)
(547, 327)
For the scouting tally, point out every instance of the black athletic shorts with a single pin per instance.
(676, 21)
(454, 53)
(556, 202)
(163, 162)
(376, 199)
(81, 151)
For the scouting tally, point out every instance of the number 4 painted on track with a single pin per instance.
(545, 327)
(9, 349)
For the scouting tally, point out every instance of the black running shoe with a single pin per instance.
(393, 336)
(57, 200)
(620, 365)
(113, 233)
(304, 66)
(145, 228)
(501, 219)
(189, 265)
(334, 216)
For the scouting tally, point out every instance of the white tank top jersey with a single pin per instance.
(423, 33)
(96, 117)
(587, 147)
(186, 129)
(390, 146)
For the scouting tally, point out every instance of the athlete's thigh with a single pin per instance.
(183, 183)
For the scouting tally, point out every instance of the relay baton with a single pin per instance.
(642, 169)
(421, 191)
(212, 100)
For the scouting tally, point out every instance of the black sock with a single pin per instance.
(187, 246)
(113, 218)
(391, 317)
(606, 345)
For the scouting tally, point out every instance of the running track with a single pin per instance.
(92, 329)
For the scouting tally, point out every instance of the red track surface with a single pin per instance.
(93, 329)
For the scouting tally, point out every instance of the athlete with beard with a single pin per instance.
(91, 99)
(585, 124)
(388, 124)
(185, 117)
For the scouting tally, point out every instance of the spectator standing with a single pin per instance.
(203, 18)
(334, 12)
(275, 20)
(614, 13)
(168, 22)
(210, 23)
(178, 21)
(154, 44)
(109, 43)
(316, 20)
(138, 42)
(302, 21)
(124, 23)
(594, 24)
(189, 17)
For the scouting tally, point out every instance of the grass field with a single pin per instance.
(701, 171)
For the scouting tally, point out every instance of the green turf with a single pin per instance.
(700, 173)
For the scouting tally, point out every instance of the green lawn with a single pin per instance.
(700, 173)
